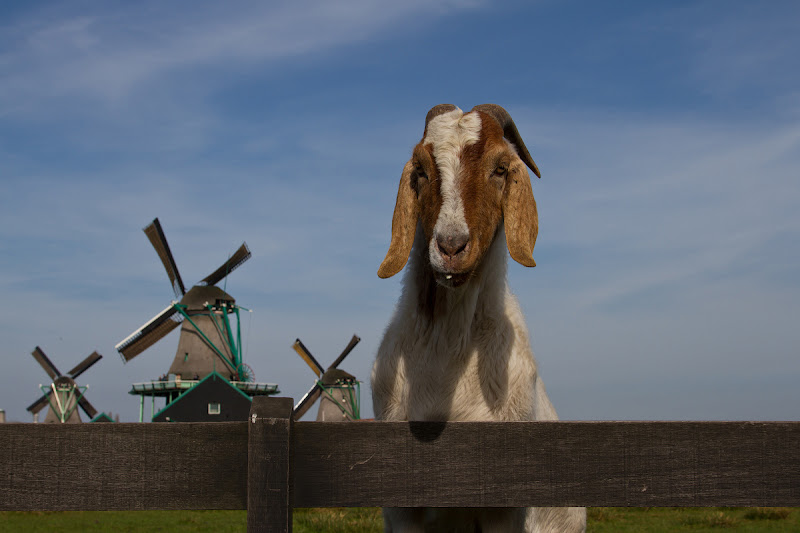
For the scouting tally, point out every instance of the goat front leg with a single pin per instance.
(503, 520)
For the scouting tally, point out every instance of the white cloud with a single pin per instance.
(667, 261)
(108, 56)
(680, 196)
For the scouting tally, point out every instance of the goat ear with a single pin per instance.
(520, 216)
(404, 226)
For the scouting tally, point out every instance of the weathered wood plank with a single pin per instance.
(204, 465)
(269, 487)
(123, 466)
(547, 463)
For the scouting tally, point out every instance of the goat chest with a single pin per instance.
(485, 375)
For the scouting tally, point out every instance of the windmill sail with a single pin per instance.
(307, 401)
(303, 352)
(84, 365)
(150, 333)
(240, 256)
(48, 365)
(39, 404)
(159, 242)
(347, 349)
(88, 408)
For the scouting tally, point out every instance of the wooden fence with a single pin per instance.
(270, 464)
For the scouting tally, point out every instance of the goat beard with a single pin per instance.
(445, 279)
(452, 281)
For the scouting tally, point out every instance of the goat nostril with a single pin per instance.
(452, 246)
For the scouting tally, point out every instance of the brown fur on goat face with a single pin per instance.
(466, 178)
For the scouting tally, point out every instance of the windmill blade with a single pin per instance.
(303, 352)
(159, 242)
(88, 408)
(307, 401)
(84, 365)
(240, 256)
(40, 404)
(48, 365)
(349, 348)
(150, 333)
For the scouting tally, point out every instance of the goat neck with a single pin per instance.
(455, 307)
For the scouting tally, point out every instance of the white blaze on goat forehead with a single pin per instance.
(449, 134)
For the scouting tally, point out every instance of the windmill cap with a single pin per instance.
(334, 375)
(199, 295)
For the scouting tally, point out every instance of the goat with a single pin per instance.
(457, 346)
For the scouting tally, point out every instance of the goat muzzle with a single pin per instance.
(452, 252)
(452, 248)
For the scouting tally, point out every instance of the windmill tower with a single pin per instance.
(208, 343)
(338, 391)
(63, 395)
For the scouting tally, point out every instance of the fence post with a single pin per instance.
(269, 461)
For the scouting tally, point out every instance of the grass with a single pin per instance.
(696, 520)
(368, 520)
(123, 521)
(358, 520)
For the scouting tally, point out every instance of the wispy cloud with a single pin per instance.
(686, 198)
(735, 52)
(750, 48)
(109, 55)
(667, 255)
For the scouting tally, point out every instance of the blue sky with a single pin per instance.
(668, 135)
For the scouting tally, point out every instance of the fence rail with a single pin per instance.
(270, 464)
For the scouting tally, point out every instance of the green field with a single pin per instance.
(369, 520)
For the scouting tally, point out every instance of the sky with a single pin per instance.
(668, 136)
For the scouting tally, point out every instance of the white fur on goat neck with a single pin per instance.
(473, 362)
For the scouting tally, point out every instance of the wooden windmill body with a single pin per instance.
(204, 345)
(340, 399)
(63, 395)
(209, 343)
(339, 393)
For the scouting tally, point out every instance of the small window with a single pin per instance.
(214, 408)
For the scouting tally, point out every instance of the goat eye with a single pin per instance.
(501, 170)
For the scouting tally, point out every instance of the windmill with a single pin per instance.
(63, 395)
(340, 391)
(208, 342)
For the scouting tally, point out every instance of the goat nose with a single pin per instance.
(452, 245)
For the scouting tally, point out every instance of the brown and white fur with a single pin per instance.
(457, 347)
